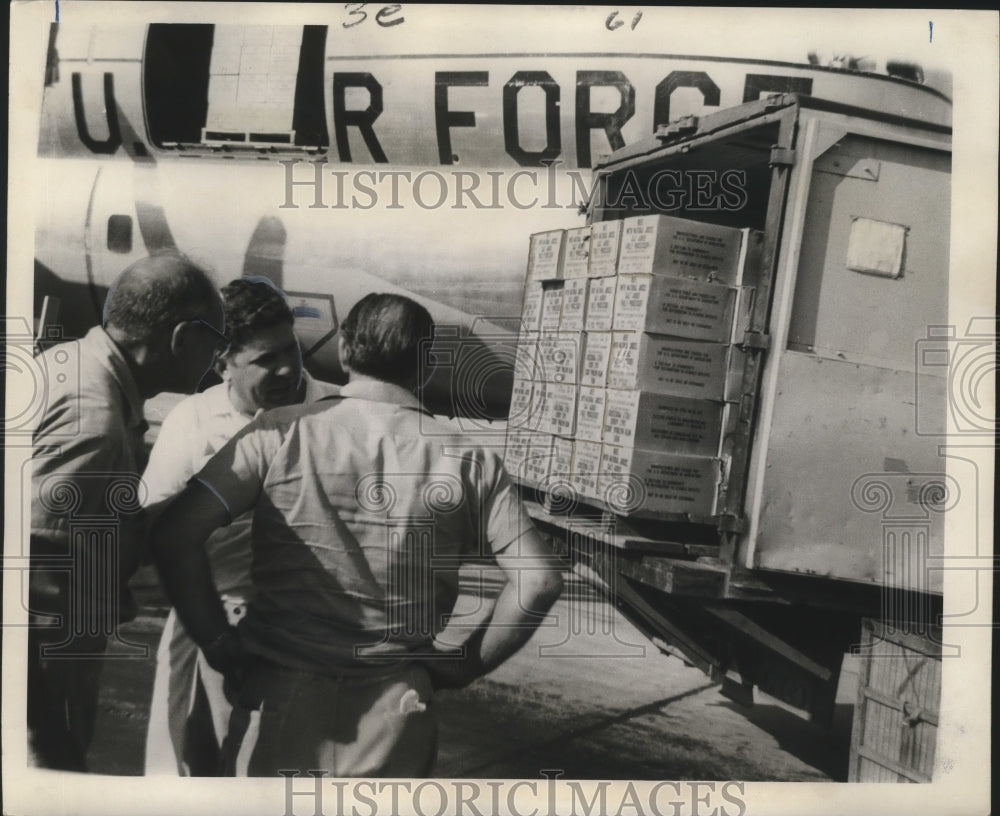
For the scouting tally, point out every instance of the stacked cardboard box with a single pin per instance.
(531, 309)
(677, 247)
(633, 386)
(576, 255)
(543, 401)
(545, 257)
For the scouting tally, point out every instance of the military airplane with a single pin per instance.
(358, 153)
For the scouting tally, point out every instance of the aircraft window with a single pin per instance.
(120, 233)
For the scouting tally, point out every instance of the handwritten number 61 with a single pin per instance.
(613, 23)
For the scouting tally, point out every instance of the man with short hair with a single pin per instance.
(162, 325)
(364, 510)
(262, 369)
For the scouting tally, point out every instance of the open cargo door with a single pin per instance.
(847, 212)
(847, 481)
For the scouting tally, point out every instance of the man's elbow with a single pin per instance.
(541, 588)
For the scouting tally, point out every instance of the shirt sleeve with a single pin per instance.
(171, 463)
(507, 520)
(235, 475)
(89, 473)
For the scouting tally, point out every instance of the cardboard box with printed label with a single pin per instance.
(596, 356)
(574, 305)
(590, 409)
(526, 399)
(586, 466)
(531, 307)
(527, 355)
(515, 453)
(652, 362)
(677, 247)
(552, 303)
(561, 464)
(674, 306)
(559, 410)
(539, 459)
(605, 240)
(644, 483)
(650, 421)
(559, 357)
(576, 258)
(600, 304)
(545, 255)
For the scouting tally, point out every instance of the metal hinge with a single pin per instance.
(755, 340)
(681, 126)
(775, 100)
(781, 157)
(731, 523)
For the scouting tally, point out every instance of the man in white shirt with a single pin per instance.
(262, 369)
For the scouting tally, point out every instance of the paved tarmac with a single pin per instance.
(588, 696)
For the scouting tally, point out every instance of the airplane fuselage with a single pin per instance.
(292, 152)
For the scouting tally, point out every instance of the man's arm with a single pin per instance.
(532, 584)
(177, 544)
(172, 460)
(90, 472)
(225, 488)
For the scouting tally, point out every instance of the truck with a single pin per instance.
(822, 505)
(808, 523)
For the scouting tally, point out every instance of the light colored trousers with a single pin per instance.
(189, 713)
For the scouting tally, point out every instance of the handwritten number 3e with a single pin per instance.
(612, 23)
(382, 16)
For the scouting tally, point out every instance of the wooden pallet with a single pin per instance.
(899, 693)
(563, 508)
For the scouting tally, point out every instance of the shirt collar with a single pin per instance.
(220, 403)
(318, 389)
(120, 372)
(218, 400)
(378, 391)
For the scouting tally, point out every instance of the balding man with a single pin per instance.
(163, 324)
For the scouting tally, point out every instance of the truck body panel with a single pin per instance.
(832, 489)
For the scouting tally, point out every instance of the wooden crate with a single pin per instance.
(896, 717)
